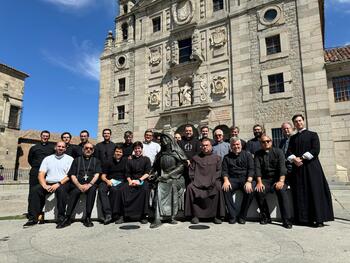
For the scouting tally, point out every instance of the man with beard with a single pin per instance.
(270, 172)
(52, 179)
(204, 197)
(84, 173)
(104, 150)
(189, 144)
(169, 166)
(254, 145)
(113, 178)
(150, 148)
(238, 173)
(311, 196)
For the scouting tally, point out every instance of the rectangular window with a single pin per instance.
(273, 45)
(276, 83)
(121, 112)
(156, 24)
(218, 5)
(13, 122)
(341, 88)
(121, 84)
(185, 50)
(277, 136)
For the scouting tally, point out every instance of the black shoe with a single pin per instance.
(287, 225)
(66, 222)
(241, 221)
(144, 221)
(264, 220)
(318, 224)
(232, 220)
(120, 220)
(173, 222)
(217, 221)
(155, 224)
(195, 220)
(30, 222)
(88, 223)
(108, 219)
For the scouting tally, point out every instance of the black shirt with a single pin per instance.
(127, 149)
(115, 169)
(239, 166)
(253, 145)
(38, 152)
(270, 164)
(104, 151)
(82, 166)
(70, 150)
(191, 146)
(137, 167)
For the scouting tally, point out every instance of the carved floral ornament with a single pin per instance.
(155, 55)
(219, 85)
(154, 98)
(183, 11)
(218, 37)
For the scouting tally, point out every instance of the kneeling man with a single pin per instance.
(52, 179)
(270, 170)
(204, 197)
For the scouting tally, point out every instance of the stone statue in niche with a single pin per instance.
(219, 85)
(196, 46)
(154, 98)
(155, 56)
(183, 12)
(185, 95)
(218, 37)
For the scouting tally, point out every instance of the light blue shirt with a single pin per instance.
(221, 149)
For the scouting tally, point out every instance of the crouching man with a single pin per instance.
(52, 179)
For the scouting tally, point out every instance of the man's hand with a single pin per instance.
(279, 185)
(54, 187)
(81, 188)
(260, 187)
(298, 161)
(226, 186)
(248, 188)
(109, 182)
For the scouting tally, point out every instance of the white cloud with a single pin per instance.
(71, 3)
(85, 60)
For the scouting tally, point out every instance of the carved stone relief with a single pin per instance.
(203, 88)
(183, 12)
(155, 56)
(196, 46)
(167, 94)
(185, 95)
(202, 9)
(219, 85)
(218, 38)
(172, 53)
(168, 19)
(154, 98)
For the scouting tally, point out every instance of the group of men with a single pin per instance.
(196, 176)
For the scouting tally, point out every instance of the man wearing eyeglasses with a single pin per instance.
(220, 147)
(270, 172)
(84, 173)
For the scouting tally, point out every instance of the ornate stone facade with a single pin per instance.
(188, 62)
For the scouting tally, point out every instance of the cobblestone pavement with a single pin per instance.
(174, 243)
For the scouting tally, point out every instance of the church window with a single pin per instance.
(125, 31)
(185, 50)
(121, 112)
(13, 122)
(156, 24)
(125, 9)
(273, 45)
(276, 83)
(121, 84)
(341, 88)
(218, 5)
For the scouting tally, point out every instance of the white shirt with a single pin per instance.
(150, 150)
(56, 167)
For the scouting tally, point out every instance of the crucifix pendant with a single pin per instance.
(85, 177)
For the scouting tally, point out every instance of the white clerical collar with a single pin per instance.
(59, 156)
(300, 131)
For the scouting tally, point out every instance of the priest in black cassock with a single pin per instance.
(311, 194)
(135, 193)
(204, 196)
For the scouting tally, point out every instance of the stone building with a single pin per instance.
(11, 99)
(216, 63)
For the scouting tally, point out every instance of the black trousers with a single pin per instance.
(233, 209)
(37, 200)
(283, 200)
(74, 196)
(111, 199)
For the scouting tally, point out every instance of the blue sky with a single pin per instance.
(58, 43)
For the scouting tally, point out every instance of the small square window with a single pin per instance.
(156, 24)
(185, 50)
(341, 88)
(218, 5)
(121, 84)
(273, 45)
(121, 112)
(276, 83)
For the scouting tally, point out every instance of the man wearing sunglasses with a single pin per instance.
(220, 147)
(270, 172)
